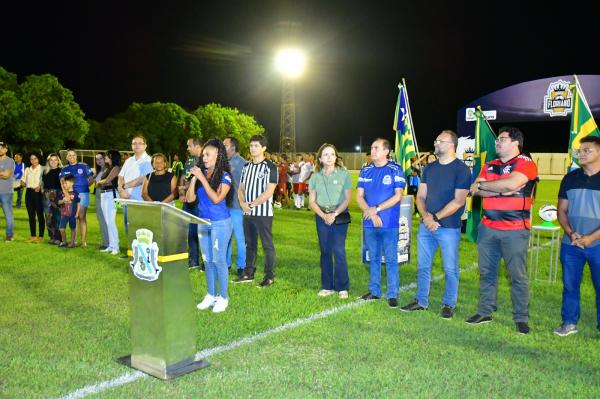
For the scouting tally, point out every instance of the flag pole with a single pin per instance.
(412, 125)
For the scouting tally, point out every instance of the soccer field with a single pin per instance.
(64, 320)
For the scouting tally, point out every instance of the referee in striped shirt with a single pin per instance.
(257, 185)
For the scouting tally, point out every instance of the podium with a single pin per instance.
(162, 311)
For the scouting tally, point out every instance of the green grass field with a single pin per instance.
(64, 320)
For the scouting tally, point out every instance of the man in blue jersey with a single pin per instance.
(378, 193)
(83, 176)
(19, 168)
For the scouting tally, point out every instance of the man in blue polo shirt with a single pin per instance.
(579, 216)
(378, 193)
(441, 201)
(83, 178)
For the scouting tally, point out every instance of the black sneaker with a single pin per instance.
(412, 307)
(393, 302)
(244, 278)
(522, 327)
(267, 281)
(240, 273)
(447, 312)
(193, 266)
(479, 319)
(369, 297)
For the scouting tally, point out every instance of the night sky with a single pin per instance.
(195, 52)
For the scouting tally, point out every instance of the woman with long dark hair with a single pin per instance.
(211, 185)
(99, 169)
(108, 186)
(329, 196)
(32, 181)
(51, 187)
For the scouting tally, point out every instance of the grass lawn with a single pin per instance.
(64, 319)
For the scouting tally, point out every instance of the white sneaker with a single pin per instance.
(114, 252)
(326, 292)
(107, 249)
(207, 302)
(220, 304)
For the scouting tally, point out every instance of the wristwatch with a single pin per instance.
(378, 208)
(435, 218)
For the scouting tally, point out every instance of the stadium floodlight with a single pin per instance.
(290, 62)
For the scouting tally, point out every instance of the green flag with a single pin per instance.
(485, 150)
(405, 144)
(582, 124)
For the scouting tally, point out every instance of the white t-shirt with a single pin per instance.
(134, 168)
(296, 168)
(305, 171)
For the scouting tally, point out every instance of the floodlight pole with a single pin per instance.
(287, 133)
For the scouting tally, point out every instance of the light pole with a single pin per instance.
(290, 63)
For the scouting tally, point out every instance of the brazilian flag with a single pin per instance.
(582, 124)
(485, 150)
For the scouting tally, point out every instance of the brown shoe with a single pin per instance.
(31, 240)
(9, 238)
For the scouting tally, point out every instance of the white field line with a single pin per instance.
(136, 375)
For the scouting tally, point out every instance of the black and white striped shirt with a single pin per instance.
(256, 178)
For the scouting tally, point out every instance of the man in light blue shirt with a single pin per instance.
(235, 210)
(7, 167)
(378, 194)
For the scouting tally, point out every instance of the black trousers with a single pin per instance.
(35, 206)
(253, 227)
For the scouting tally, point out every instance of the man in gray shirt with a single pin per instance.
(7, 168)
(235, 210)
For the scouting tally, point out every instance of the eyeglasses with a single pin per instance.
(440, 142)
(501, 139)
(585, 151)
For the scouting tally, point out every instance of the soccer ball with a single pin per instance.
(548, 213)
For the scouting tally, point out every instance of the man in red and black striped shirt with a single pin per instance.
(506, 185)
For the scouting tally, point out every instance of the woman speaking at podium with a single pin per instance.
(211, 185)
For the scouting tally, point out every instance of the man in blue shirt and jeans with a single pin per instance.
(441, 200)
(235, 210)
(378, 193)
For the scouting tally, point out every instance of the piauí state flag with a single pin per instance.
(582, 124)
(485, 150)
(405, 145)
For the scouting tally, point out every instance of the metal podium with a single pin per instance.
(162, 311)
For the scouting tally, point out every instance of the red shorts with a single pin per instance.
(282, 188)
(300, 188)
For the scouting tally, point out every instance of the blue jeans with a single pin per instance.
(573, 261)
(334, 268)
(375, 239)
(427, 243)
(213, 241)
(237, 219)
(19, 192)
(6, 201)
(192, 235)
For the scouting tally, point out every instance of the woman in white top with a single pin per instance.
(32, 181)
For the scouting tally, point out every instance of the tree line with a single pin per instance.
(39, 113)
